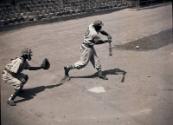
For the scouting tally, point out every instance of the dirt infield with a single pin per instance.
(144, 98)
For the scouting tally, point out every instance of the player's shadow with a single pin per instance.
(115, 71)
(30, 93)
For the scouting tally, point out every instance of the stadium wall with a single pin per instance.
(16, 12)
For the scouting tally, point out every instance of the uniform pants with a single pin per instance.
(87, 54)
(17, 82)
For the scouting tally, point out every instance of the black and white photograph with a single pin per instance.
(86, 62)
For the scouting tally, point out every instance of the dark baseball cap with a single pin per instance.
(98, 23)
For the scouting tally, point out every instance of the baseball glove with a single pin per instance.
(45, 64)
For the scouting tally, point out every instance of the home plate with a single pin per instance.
(99, 89)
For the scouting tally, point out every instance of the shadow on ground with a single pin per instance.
(30, 93)
(114, 71)
(152, 42)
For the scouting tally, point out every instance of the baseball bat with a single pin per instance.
(123, 77)
(110, 49)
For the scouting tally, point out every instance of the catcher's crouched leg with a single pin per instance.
(18, 88)
(12, 97)
(23, 80)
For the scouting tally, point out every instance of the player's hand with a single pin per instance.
(109, 40)
(109, 37)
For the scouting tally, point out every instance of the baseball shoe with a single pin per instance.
(100, 75)
(66, 71)
(11, 103)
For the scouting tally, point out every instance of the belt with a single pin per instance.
(87, 45)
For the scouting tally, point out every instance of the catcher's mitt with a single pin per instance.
(45, 64)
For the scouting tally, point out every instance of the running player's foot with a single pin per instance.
(11, 103)
(103, 77)
(67, 78)
(100, 75)
(66, 71)
(21, 91)
(64, 79)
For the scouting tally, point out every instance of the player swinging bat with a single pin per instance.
(88, 52)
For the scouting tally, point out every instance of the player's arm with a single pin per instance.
(44, 65)
(106, 34)
(34, 68)
(98, 40)
(29, 67)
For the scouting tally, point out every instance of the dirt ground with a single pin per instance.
(142, 47)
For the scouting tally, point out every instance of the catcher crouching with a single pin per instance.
(13, 75)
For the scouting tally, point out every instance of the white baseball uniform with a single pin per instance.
(12, 73)
(87, 50)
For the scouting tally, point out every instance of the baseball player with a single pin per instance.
(87, 49)
(13, 75)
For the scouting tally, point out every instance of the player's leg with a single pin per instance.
(96, 63)
(18, 84)
(84, 59)
(23, 78)
(10, 100)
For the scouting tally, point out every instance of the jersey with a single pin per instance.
(90, 35)
(17, 65)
